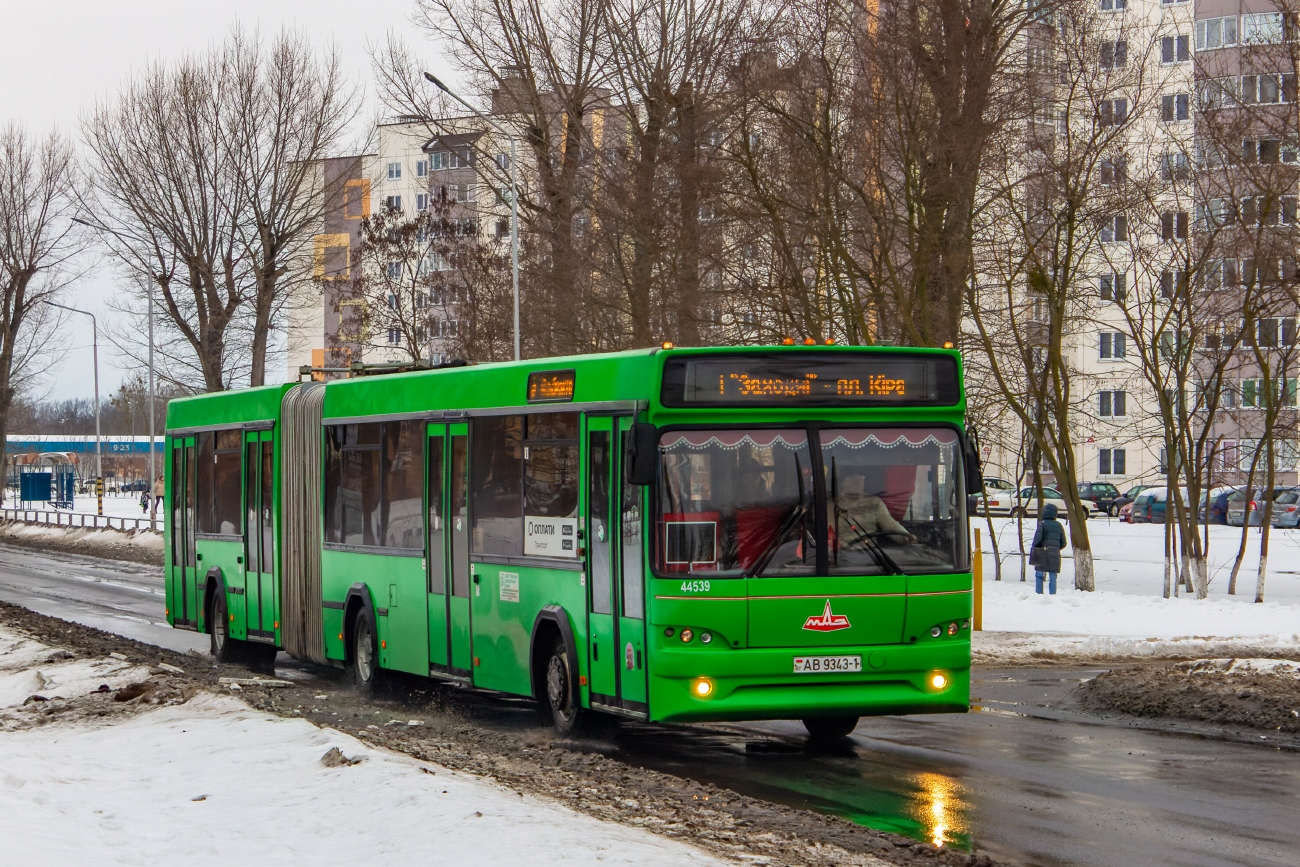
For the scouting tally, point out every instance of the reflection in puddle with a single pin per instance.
(940, 810)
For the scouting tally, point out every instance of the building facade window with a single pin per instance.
(1173, 226)
(1113, 5)
(1269, 88)
(1113, 112)
(1114, 172)
(1175, 167)
(1114, 229)
(1111, 462)
(1114, 54)
(394, 270)
(1114, 287)
(422, 169)
(394, 171)
(421, 202)
(1112, 404)
(393, 203)
(1214, 33)
(1113, 345)
(394, 336)
(1175, 107)
(1175, 49)
(1262, 28)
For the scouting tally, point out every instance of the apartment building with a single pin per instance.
(1209, 177)
(418, 165)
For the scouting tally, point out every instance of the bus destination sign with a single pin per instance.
(550, 386)
(810, 380)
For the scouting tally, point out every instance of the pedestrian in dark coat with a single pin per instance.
(1045, 552)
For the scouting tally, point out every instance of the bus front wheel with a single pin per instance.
(561, 696)
(824, 729)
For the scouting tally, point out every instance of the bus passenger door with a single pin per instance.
(184, 607)
(436, 555)
(630, 579)
(458, 631)
(599, 542)
(259, 536)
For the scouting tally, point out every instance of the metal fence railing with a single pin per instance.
(79, 519)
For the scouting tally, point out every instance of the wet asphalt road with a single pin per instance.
(1015, 779)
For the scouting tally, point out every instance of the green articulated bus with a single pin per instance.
(667, 535)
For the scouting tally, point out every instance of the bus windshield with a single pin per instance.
(895, 500)
(743, 503)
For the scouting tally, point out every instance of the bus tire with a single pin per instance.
(825, 729)
(223, 647)
(561, 690)
(364, 655)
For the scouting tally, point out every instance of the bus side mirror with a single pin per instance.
(974, 471)
(643, 457)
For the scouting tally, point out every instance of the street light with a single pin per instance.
(514, 196)
(153, 510)
(94, 330)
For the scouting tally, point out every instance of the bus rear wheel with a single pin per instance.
(366, 673)
(223, 647)
(824, 729)
(561, 696)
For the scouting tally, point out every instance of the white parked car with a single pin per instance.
(1025, 501)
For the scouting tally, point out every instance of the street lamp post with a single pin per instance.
(153, 510)
(94, 331)
(514, 196)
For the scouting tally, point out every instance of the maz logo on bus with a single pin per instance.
(827, 621)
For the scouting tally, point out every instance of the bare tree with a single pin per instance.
(206, 188)
(37, 244)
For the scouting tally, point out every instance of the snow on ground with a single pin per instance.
(211, 781)
(30, 668)
(1127, 615)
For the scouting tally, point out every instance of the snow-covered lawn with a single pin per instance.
(1127, 615)
(213, 782)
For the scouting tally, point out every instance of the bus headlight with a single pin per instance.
(938, 680)
(702, 687)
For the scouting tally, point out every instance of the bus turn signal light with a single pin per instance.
(703, 687)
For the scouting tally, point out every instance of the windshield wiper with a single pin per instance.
(792, 520)
(870, 545)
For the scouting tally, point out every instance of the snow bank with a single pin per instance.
(102, 536)
(238, 781)
(1280, 667)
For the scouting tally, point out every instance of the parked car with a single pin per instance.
(993, 486)
(1237, 507)
(1129, 496)
(1214, 505)
(1025, 502)
(1286, 508)
(1126, 513)
(1151, 505)
(1101, 494)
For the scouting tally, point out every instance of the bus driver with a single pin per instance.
(861, 514)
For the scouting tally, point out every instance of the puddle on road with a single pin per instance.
(866, 788)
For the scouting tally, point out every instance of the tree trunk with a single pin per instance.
(1084, 579)
(688, 265)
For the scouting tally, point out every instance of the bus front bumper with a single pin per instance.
(694, 684)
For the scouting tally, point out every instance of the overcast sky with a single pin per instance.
(61, 56)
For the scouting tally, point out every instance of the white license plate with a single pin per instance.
(815, 664)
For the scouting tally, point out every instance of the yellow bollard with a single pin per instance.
(978, 576)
